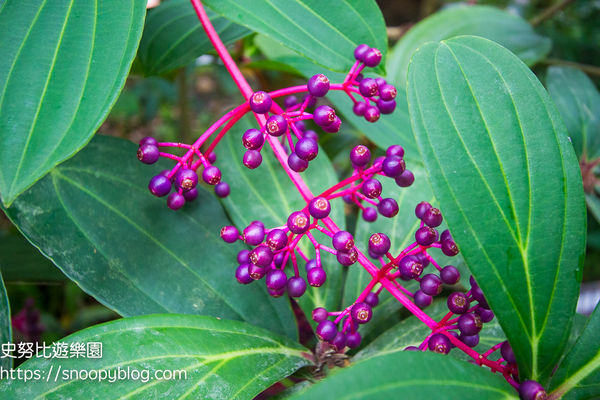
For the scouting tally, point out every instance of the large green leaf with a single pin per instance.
(64, 64)
(268, 194)
(95, 219)
(491, 23)
(509, 185)
(389, 130)
(326, 32)
(209, 358)
(578, 376)
(411, 332)
(411, 375)
(5, 324)
(401, 231)
(173, 36)
(578, 101)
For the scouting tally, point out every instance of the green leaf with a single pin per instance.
(210, 358)
(268, 194)
(326, 32)
(401, 231)
(491, 23)
(411, 332)
(509, 186)
(416, 375)
(21, 262)
(64, 64)
(389, 130)
(5, 324)
(173, 36)
(578, 376)
(95, 219)
(578, 101)
(593, 202)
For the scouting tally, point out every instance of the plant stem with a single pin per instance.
(549, 12)
(588, 69)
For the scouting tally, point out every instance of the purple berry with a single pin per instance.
(371, 188)
(276, 292)
(316, 276)
(306, 149)
(470, 341)
(380, 81)
(296, 163)
(450, 275)
(310, 264)
(252, 159)
(319, 314)
(334, 126)
(276, 125)
(296, 286)
(261, 256)
(326, 330)
(369, 214)
(342, 241)
(425, 235)
(410, 267)
(412, 348)
(387, 92)
(253, 234)
(386, 107)
(319, 207)
(256, 272)
(379, 243)
(421, 209)
(532, 390)
(318, 85)
(186, 179)
(221, 189)
(242, 274)
(324, 115)
(360, 155)
(260, 102)
(470, 324)
(486, 315)
(361, 313)
(393, 166)
(211, 175)
(353, 340)
(372, 114)
(372, 57)
(507, 353)
(211, 157)
(148, 140)
(310, 134)
(276, 279)
(159, 185)
(368, 87)
(431, 284)
(388, 208)
(477, 293)
(175, 201)
(148, 153)
(432, 217)
(278, 260)
(372, 299)
(449, 248)
(439, 343)
(458, 303)
(422, 300)
(311, 101)
(422, 257)
(359, 108)
(395, 150)
(360, 51)
(243, 256)
(445, 235)
(298, 222)
(347, 258)
(339, 341)
(253, 139)
(405, 179)
(276, 239)
(229, 234)
(191, 194)
(290, 101)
